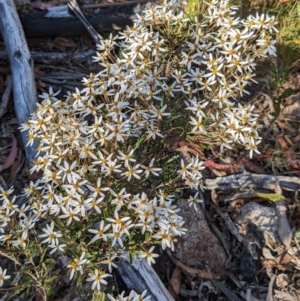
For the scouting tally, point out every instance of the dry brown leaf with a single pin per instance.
(284, 259)
(282, 295)
(40, 84)
(175, 283)
(231, 168)
(214, 196)
(63, 43)
(185, 147)
(289, 154)
(250, 166)
(15, 168)
(12, 155)
(269, 265)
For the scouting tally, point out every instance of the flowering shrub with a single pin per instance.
(109, 183)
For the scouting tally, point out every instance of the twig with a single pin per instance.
(193, 271)
(229, 224)
(55, 57)
(73, 5)
(221, 237)
(229, 294)
(51, 81)
(270, 289)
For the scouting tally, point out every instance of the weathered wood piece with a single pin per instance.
(140, 276)
(56, 57)
(24, 89)
(60, 22)
(110, 4)
(249, 180)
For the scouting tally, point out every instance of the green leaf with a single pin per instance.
(49, 289)
(139, 142)
(147, 235)
(103, 297)
(43, 255)
(130, 257)
(51, 279)
(297, 234)
(286, 93)
(173, 158)
(50, 260)
(78, 234)
(273, 197)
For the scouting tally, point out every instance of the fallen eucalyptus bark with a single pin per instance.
(140, 276)
(24, 89)
(56, 57)
(249, 180)
(58, 21)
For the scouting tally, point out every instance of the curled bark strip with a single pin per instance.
(185, 147)
(250, 166)
(282, 142)
(12, 155)
(231, 168)
(193, 271)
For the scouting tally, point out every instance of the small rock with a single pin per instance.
(199, 245)
(258, 224)
(263, 217)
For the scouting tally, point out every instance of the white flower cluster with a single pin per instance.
(215, 64)
(99, 146)
(133, 296)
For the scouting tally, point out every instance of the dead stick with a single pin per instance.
(102, 5)
(24, 88)
(254, 181)
(193, 271)
(73, 5)
(55, 57)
